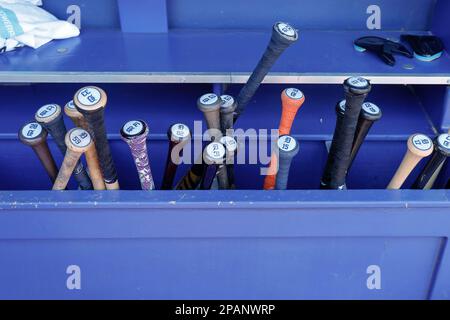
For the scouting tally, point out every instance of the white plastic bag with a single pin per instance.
(22, 22)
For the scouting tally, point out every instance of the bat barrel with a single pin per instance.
(441, 153)
(50, 117)
(283, 35)
(356, 90)
(419, 146)
(135, 133)
(179, 135)
(35, 136)
(288, 148)
(91, 102)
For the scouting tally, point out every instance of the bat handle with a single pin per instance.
(193, 178)
(68, 166)
(34, 135)
(94, 168)
(418, 147)
(356, 90)
(370, 113)
(270, 179)
(429, 174)
(210, 104)
(283, 35)
(227, 108)
(135, 133)
(291, 101)
(287, 149)
(214, 156)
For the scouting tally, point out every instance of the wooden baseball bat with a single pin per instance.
(291, 101)
(135, 134)
(51, 118)
(78, 141)
(78, 119)
(91, 102)
(179, 135)
(429, 174)
(214, 156)
(34, 135)
(356, 90)
(419, 146)
(288, 148)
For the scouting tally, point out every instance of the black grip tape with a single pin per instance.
(97, 127)
(193, 178)
(341, 147)
(436, 160)
(362, 129)
(273, 51)
(58, 131)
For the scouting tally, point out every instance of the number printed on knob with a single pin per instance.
(287, 143)
(89, 96)
(209, 98)
(422, 142)
(32, 130)
(286, 29)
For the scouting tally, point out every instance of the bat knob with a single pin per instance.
(293, 98)
(214, 153)
(209, 102)
(340, 107)
(288, 147)
(228, 104)
(179, 132)
(443, 144)
(230, 144)
(32, 133)
(357, 86)
(90, 99)
(420, 145)
(48, 114)
(134, 129)
(284, 32)
(370, 111)
(78, 140)
(71, 111)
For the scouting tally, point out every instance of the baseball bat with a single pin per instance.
(291, 101)
(419, 146)
(209, 104)
(441, 152)
(227, 109)
(283, 35)
(91, 102)
(370, 113)
(214, 157)
(51, 118)
(179, 135)
(356, 90)
(135, 134)
(34, 135)
(78, 119)
(287, 149)
(78, 141)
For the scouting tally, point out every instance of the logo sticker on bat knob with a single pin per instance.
(286, 29)
(71, 105)
(342, 105)
(287, 143)
(371, 108)
(444, 141)
(133, 128)
(358, 82)
(32, 130)
(89, 96)
(227, 101)
(215, 151)
(229, 143)
(294, 93)
(209, 98)
(80, 138)
(422, 142)
(180, 131)
(47, 111)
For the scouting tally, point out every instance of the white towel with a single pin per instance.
(22, 22)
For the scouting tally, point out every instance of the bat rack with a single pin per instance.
(154, 58)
